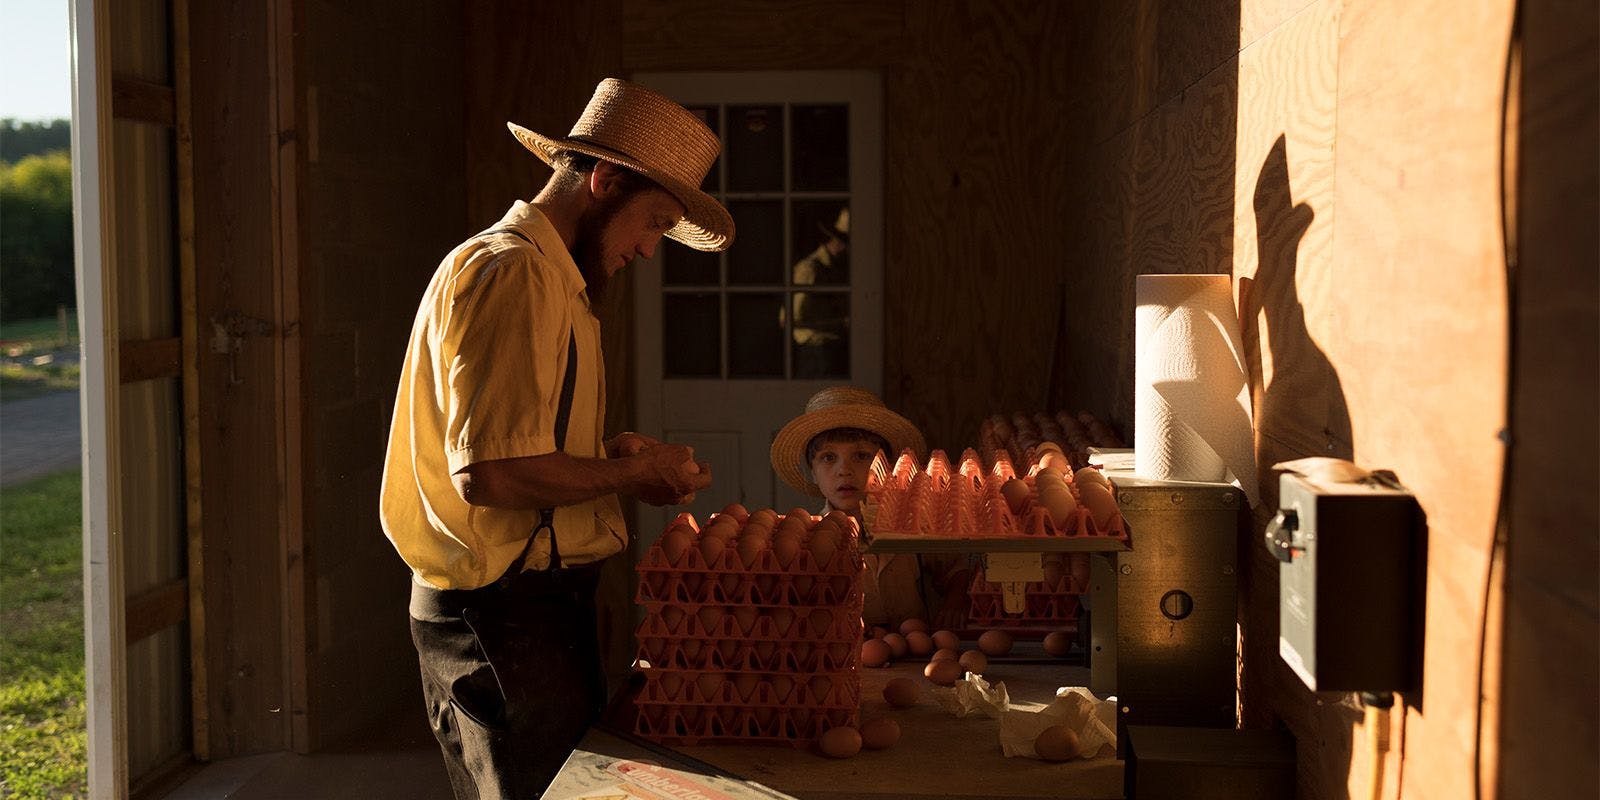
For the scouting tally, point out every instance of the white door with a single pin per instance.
(730, 345)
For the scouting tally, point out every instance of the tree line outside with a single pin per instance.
(36, 267)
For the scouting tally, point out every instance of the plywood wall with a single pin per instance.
(384, 199)
(1341, 161)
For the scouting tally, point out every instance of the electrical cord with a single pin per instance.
(1508, 236)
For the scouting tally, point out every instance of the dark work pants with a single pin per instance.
(511, 677)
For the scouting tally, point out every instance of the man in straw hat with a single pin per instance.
(827, 452)
(499, 490)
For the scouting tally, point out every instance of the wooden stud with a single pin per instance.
(158, 609)
(144, 359)
(142, 101)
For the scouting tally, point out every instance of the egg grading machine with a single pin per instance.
(1162, 603)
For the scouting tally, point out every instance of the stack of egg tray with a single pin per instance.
(966, 502)
(1019, 436)
(749, 654)
(1048, 605)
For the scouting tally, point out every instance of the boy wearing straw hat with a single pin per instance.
(827, 452)
(499, 489)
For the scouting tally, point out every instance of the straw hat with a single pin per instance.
(838, 407)
(634, 127)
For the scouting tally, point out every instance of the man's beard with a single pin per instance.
(588, 250)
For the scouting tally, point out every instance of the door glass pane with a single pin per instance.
(691, 336)
(757, 258)
(821, 149)
(754, 148)
(821, 335)
(821, 233)
(708, 115)
(755, 335)
(682, 265)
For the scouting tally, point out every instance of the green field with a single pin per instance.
(26, 342)
(42, 717)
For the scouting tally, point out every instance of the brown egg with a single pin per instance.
(1102, 506)
(901, 692)
(782, 620)
(824, 543)
(750, 547)
(897, 645)
(919, 643)
(711, 619)
(946, 654)
(765, 516)
(874, 653)
(785, 545)
(880, 733)
(1056, 459)
(1090, 475)
(1048, 447)
(994, 643)
(710, 685)
(877, 632)
(943, 673)
(1053, 473)
(737, 511)
(1057, 643)
(790, 526)
(842, 742)
(821, 620)
(912, 625)
(1056, 743)
(1078, 567)
(1016, 492)
(1052, 574)
(1059, 503)
(974, 661)
(745, 618)
(712, 547)
(800, 514)
(674, 542)
(946, 640)
(721, 526)
(821, 686)
(671, 616)
(782, 687)
(671, 684)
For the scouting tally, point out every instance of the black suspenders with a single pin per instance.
(563, 414)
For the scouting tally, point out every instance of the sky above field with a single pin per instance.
(35, 60)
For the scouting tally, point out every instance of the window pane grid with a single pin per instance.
(748, 290)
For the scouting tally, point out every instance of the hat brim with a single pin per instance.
(789, 446)
(706, 225)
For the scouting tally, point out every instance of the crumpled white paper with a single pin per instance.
(1094, 720)
(973, 695)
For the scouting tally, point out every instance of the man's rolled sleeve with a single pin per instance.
(504, 344)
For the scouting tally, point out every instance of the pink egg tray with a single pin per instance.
(1049, 605)
(752, 630)
(966, 502)
(1019, 436)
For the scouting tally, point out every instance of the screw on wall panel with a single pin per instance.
(1227, 569)
(1177, 499)
(1127, 569)
(1228, 499)
(1124, 499)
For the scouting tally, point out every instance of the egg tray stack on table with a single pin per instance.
(1020, 436)
(752, 629)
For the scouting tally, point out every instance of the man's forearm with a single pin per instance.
(553, 479)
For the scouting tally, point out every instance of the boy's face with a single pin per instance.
(840, 470)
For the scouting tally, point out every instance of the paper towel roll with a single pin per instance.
(1191, 393)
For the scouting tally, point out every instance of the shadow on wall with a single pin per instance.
(1302, 411)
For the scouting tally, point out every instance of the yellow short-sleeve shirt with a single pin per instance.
(481, 381)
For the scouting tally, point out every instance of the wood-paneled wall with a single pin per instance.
(384, 199)
(1341, 161)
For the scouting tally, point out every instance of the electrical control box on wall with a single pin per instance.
(1352, 578)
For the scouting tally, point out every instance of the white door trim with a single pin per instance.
(104, 601)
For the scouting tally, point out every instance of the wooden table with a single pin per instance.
(938, 755)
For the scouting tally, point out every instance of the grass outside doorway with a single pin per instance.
(43, 739)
